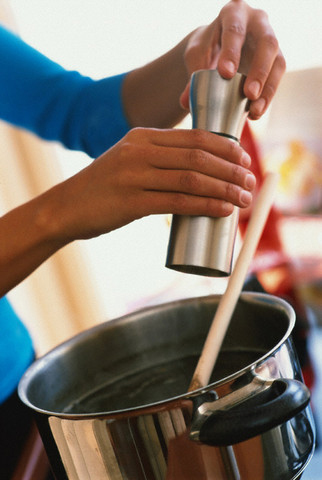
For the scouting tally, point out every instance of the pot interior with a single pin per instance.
(150, 356)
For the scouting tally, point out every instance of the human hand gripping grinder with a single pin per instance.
(198, 244)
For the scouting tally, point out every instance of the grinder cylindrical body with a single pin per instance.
(198, 244)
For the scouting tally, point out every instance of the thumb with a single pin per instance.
(184, 97)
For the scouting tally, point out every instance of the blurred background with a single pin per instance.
(89, 282)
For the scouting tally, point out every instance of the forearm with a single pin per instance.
(27, 239)
(151, 93)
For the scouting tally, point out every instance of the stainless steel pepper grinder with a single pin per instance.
(204, 245)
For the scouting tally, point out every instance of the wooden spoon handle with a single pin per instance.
(235, 284)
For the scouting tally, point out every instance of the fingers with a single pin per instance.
(232, 38)
(178, 203)
(202, 175)
(201, 48)
(184, 97)
(262, 59)
(196, 163)
(149, 171)
(198, 184)
(266, 65)
(190, 163)
(193, 139)
(268, 90)
(247, 44)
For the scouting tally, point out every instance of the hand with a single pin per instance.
(153, 171)
(149, 171)
(240, 39)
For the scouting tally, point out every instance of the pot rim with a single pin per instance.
(59, 350)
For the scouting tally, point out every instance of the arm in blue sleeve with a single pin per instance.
(39, 95)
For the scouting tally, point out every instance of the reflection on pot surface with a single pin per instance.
(111, 403)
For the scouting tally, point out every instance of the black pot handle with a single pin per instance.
(277, 404)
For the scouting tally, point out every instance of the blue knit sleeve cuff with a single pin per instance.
(104, 120)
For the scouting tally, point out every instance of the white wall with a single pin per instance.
(106, 36)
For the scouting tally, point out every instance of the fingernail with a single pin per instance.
(259, 106)
(227, 208)
(229, 67)
(245, 159)
(250, 181)
(254, 88)
(245, 198)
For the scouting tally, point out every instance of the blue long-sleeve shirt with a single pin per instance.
(83, 114)
(41, 96)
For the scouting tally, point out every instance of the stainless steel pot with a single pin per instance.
(111, 403)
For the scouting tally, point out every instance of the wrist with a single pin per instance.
(51, 221)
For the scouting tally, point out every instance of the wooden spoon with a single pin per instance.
(235, 284)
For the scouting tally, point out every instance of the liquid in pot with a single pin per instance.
(156, 383)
